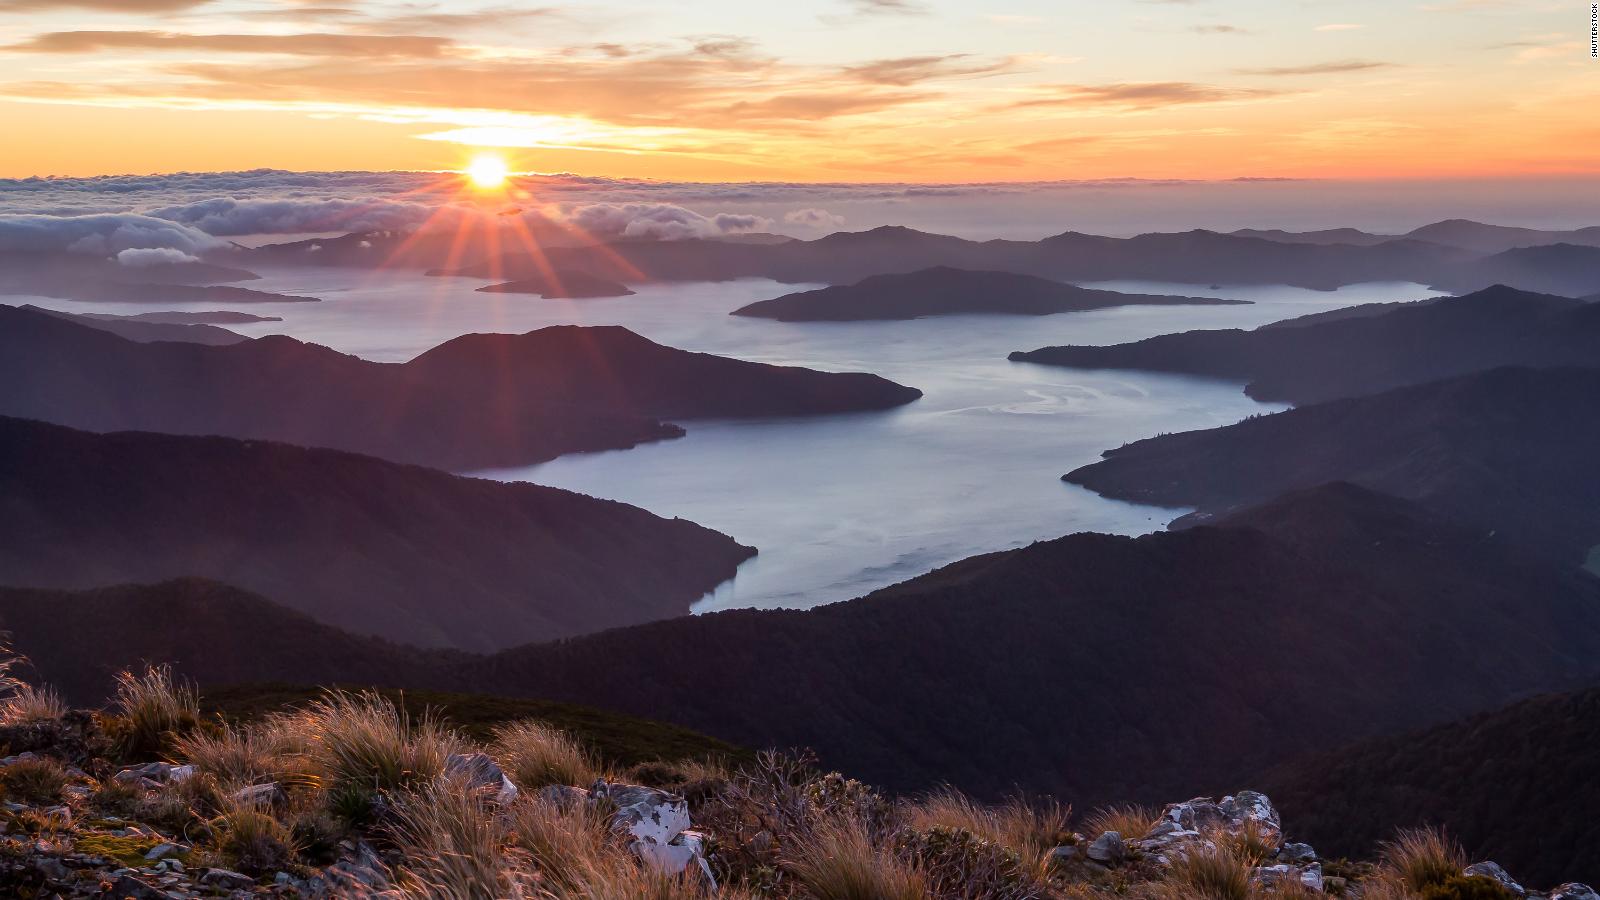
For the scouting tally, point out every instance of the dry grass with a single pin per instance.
(364, 742)
(252, 839)
(454, 846)
(235, 757)
(1129, 822)
(535, 755)
(29, 705)
(1423, 857)
(1029, 829)
(156, 709)
(564, 841)
(1209, 874)
(36, 781)
(841, 863)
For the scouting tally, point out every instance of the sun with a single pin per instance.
(487, 172)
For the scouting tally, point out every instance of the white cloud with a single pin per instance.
(101, 235)
(656, 221)
(232, 216)
(141, 257)
(814, 218)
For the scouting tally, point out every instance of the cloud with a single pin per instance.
(231, 216)
(813, 218)
(101, 235)
(888, 7)
(142, 257)
(1144, 95)
(315, 44)
(656, 222)
(909, 70)
(1326, 68)
(127, 6)
(1220, 29)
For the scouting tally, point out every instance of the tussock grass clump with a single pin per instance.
(1029, 829)
(363, 742)
(454, 846)
(38, 781)
(155, 709)
(236, 757)
(956, 863)
(1421, 858)
(1131, 822)
(252, 839)
(564, 841)
(840, 862)
(534, 755)
(1209, 874)
(29, 705)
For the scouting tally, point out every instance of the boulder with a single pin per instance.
(1492, 870)
(562, 794)
(226, 879)
(479, 771)
(1108, 849)
(259, 794)
(656, 823)
(1274, 876)
(1574, 890)
(1192, 822)
(1292, 852)
(157, 772)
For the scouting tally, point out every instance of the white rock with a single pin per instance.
(657, 823)
(1492, 870)
(1574, 890)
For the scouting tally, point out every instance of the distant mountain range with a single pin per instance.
(561, 285)
(1096, 667)
(1456, 255)
(145, 331)
(374, 547)
(1463, 233)
(1365, 349)
(943, 291)
(475, 402)
(1509, 451)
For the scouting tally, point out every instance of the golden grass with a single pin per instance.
(535, 755)
(252, 839)
(1130, 822)
(363, 741)
(38, 781)
(155, 707)
(1209, 874)
(841, 863)
(29, 705)
(1029, 829)
(1420, 858)
(454, 846)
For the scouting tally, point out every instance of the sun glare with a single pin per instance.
(487, 172)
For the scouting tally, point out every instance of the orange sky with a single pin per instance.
(858, 90)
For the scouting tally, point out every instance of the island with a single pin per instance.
(948, 291)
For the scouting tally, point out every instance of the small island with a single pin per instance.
(562, 286)
(946, 291)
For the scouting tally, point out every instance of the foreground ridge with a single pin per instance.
(350, 795)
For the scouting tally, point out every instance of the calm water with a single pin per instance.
(841, 505)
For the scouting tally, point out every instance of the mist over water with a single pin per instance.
(839, 505)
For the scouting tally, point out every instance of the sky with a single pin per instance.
(926, 91)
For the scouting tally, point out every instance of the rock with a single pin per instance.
(1274, 876)
(226, 879)
(180, 773)
(1108, 848)
(657, 824)
(478, 770)
(160, 850)
(1296, 853)
(1574, 890)
(259, 794)
(562, 794)
(1193, 821)
(58, 817)
(20, 757)
(156, 771)
(1063, 855)
(1493, 870)
(127, 886)
(50, 867)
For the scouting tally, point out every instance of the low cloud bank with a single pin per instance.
(100, 235)
(657, 221)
